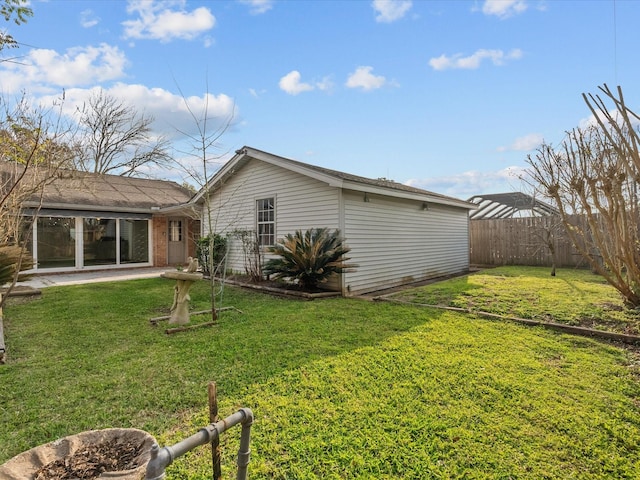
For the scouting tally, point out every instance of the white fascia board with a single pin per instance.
(422, 197)
(221, 173)
(189, 209)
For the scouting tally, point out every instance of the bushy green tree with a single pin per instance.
(211, 251)
(308, 258)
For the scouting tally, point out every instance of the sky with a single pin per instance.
(448, 96)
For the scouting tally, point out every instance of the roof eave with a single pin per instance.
(96, 208)
(225, 170)
(184, 208)
(423, 197)
(331, 180)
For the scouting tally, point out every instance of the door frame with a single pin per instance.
(183, 240)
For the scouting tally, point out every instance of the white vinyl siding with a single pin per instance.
(396, 241)
(393, 240)
(301, 203)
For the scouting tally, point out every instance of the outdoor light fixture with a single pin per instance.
(366, 197)
(425, 206)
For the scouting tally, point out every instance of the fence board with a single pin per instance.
(522, 241)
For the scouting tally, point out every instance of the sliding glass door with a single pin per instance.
(56, 242)
(79, 242)
(134, 241)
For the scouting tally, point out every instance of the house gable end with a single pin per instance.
(332, 178)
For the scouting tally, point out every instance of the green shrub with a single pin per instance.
(211, 251)
(308, 258)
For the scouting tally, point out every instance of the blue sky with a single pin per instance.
(449, 96)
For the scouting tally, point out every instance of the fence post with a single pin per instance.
(215, 442)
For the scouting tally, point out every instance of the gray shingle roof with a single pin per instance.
(355, 181)
(377, 182)
(73, 189)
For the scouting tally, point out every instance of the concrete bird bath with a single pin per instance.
(184, 280)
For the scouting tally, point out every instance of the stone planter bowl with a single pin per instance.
(25, 465)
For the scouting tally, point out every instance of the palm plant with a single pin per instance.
(308, 258)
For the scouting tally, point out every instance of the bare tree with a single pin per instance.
(117, 139)
(251, 252)
(594, 174)
(205, 148)
(548, 234)
(33, 150)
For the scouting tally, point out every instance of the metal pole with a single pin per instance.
(161, 458)
(244, 452)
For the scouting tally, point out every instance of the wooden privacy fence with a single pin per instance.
(522, 241)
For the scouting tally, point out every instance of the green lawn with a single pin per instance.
(341, 388)
(575, 297)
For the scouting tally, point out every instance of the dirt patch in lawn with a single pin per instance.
(609, 325)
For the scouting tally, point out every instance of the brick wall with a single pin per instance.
(160, 247)
(159, 232)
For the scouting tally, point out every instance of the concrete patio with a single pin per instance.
(79, 278)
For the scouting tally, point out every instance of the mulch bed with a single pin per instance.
(92, 461)
(280, 288)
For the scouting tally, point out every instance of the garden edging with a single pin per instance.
(587, 332)
(283, 291)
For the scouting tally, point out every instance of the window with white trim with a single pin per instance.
(266, 221)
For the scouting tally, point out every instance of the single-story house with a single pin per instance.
(93, 221)
(397, 234)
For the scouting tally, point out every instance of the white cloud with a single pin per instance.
(166, 20)
(325, 85)
(88, 19)
(291, 83)
(168, 109)
(524, 144)
(504, 8)
(467, 184)
(208, 41)
(591, 121)
(363, 78)
(258, 7)
(457, 61)
(388, 11)
(44, 70)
